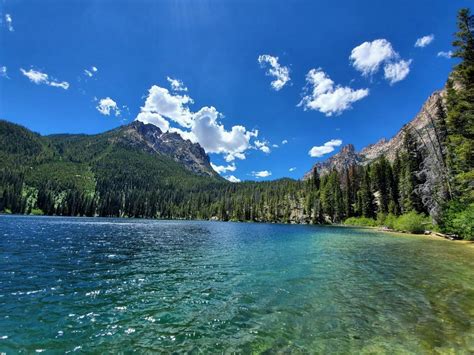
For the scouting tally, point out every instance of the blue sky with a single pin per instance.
(343, 72)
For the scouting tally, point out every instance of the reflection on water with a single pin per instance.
(69, 284)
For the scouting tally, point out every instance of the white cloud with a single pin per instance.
(368, 56)
(397, 71)
(38, 78)
(107, 105)
(155, 119)
(328, 147)
(275, 145)
(169, 106)
(327, 98)
(232, 178)
(176, 84)
(214, 138)
(3, 72)
(203, 127)
(291, 169)
(263, 146)
(261, 174)
(223, 169)
(232, 157)
(9, 22)
(424, 41)
(90, 72)
(284, 141)
(447, 54)
(279, 72)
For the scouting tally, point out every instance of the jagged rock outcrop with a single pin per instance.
(346, 157)
(150, 138)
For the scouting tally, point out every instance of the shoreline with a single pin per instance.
(431, 235)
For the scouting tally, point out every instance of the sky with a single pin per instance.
(268, 88)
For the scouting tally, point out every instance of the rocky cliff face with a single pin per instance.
(340, 161)
(422, 127)
(150, 138)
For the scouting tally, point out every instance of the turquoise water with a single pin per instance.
(109, 285)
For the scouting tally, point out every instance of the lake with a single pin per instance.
(110, 285)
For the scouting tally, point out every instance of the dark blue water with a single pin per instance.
(113, 285)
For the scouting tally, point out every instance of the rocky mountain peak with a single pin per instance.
(152, 139)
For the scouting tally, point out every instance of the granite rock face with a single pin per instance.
(150, 138)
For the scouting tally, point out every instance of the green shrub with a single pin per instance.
(459, 219)
(37, 212)
(390, 221)
(360, 221)
(412, 222)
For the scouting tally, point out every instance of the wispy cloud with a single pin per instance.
(3, 72)
(90, 72)
(424, 41)
(40, 78)
(447, 54)
(261, 174)
(176, 84)
(279, 72)
(292, 169)
(9, 22)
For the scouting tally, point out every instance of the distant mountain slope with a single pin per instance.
(423, 127)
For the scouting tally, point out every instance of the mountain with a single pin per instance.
(423, 126)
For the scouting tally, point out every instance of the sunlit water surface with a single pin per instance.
(109, 285)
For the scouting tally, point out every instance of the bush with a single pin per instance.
(360, 221)
(37, 212)
(412, 222)
(459, 219)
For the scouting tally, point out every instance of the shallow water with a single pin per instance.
(108, 285)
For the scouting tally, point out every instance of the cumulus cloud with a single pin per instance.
(90, 72)
(326, 97)
(328, 147)
(155, 119)
(261, 174)
(172, 107)
(368, 56)
(9, 22)
(447, 54)
(279, 72)
(203, 127)
(291, 169)
(223, 169)
(397, 71)
(176, 84)
(107, 106)
(39, 78)
(232, 178)
(424, 41)
(214, 138)
(263, 146)
(284, 141)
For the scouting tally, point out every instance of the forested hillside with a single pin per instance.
(139, 171)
